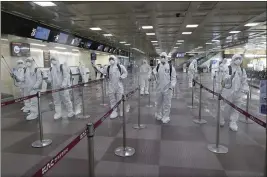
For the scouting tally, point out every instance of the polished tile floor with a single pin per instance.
(178, 148)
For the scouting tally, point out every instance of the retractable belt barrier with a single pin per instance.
(51, 163)
(245, 113)
(46, 92)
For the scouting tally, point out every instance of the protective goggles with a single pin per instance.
(162, 57)
(111, 58)
(20, 63)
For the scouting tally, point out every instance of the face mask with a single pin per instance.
(28, 64)
(237, 62)
(112, 62)
(54, 62)
(163, 60)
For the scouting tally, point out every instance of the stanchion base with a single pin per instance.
(246, 121)
(141, 126)
(124, 152)
(220, 150)
(83, 117)
(103, 104)
(192, 107)
(40, 144)
(149, 106)
(197, 121)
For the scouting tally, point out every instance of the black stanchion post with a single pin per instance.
(124, 151)
(246, 120)
(192, 106)
(41, 142)
(213, 84)
(139, 125)
(149, 96)
(84, 116)
(91, 158)
(217, 148)
(200, 120)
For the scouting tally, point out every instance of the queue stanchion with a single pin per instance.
(83, 116)
(124, 151)
(192, 101)
(139, 125)
(149, 96)
(103, 94)
(41, 142)
(217, 148)
(246, 120)
(213, 85)
(200, 120)
(90, 140)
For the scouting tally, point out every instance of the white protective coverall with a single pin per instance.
(192, 71)
(115, 85)
(235, 93)
(145, 73)
(222, 73)
(165, 85)
(32, 80)
(60, 79)
(214, 69)
(18, 76)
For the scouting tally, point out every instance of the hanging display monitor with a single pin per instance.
(61, 38)
(74, 41)
(87, 44)
(100, 47)
(41, 33)
(19, 49)
(180, 55)
(106, 49)
(110, 50)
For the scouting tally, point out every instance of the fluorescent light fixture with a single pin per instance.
(150, 34)
(178, 43)
(123, 42)
(44, 3)
(41, 45)
(75, 50)
(155, 44)
(175, 47)
(106, 35)
(180, 40)
(215, 40)
(154, 41)
(186, 32)
(251, 24)
(199, 47)
(95, 29)
(147, 27)
(208, 43)
(234, 32)
(63, 48)
(127, 44)
(192, 26)
(97, 53)
(252, 55)
(3, 39)
(138, 50)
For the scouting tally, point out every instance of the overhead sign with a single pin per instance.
(180, 55)
(235, 43)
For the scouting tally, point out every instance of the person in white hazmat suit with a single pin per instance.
(32, 81)
(145, 73)
(18, 76)
(59, 77)
(214, 69)
(238, 87)
(166, 81)
(115, 74)
(222, 73)
(192, 71)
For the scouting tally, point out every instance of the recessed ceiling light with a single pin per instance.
(44, 3)
(75, 50)
(154, 41)
(150, 34)
(187, 33)
(214, 40)
(251, 24)
(106, 35)
(63, 48)
(123, 42)
(178, 43)
(199, 47)
(155, 44)
(234, 32)
(175, 47)
(41, 45)
(127, 44)
(3, 39)
(180, 40)
(147, 27)
(208, 43)
(96, 29)
(192, 26)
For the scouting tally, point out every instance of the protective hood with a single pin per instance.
(237, 59)
(20, 64)
(164, 54)
(29, 61)
(113, 57)
(54, 61)
(144, 62)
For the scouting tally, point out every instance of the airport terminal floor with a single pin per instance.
(178, 148)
